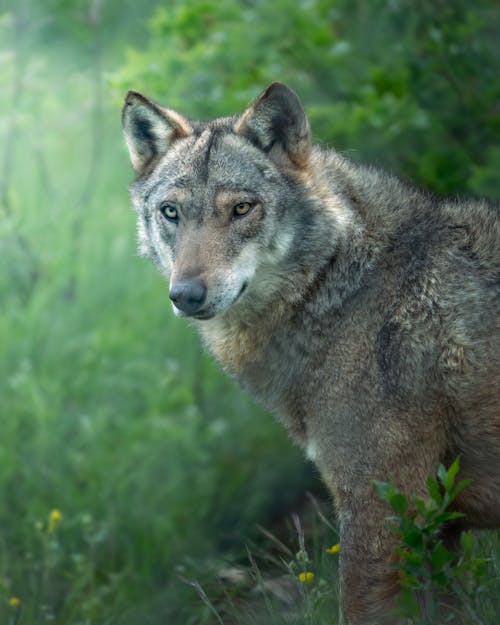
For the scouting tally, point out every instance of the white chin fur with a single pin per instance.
(178, 312)
(312, 451)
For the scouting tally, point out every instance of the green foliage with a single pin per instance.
(418, 93)
(426, 565)
(110, 412)
(292, 579)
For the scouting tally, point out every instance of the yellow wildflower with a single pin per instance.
(306, 578)
(334, 548)
(14, 602)
(55, 517)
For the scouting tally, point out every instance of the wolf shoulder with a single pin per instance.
(441, 310)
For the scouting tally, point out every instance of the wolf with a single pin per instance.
(362, 311)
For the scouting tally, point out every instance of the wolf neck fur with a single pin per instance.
(238, 339)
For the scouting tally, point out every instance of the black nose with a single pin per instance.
(188, 294)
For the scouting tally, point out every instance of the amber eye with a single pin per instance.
(242, 208)
(169, 211)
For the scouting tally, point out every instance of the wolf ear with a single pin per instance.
(277, 123)
(150, 129)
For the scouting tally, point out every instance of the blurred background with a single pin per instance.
(138, 482)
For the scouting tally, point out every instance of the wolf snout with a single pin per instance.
(188, 294)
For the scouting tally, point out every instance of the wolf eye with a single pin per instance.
(169, 211)
(242, 208)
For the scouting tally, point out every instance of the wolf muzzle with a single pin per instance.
(188, 294)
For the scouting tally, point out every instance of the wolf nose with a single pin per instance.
(188, 294)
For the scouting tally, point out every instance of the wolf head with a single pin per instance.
(225, 207)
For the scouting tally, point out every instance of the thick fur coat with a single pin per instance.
(361, 311)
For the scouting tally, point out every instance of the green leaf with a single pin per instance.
(451, 474)
(459, 488)
(442, 474)
(384, 490)
(434, 490)
(441, 557)
(467, 544)
(414, 539)
(398, 502)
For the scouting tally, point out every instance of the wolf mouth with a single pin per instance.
(204, 314)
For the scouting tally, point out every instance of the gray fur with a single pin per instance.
(368, 320)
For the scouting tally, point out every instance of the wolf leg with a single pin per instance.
(369, 585)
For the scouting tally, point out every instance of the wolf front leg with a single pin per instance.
(369, 586)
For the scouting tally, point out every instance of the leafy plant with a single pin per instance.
(429, 569)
